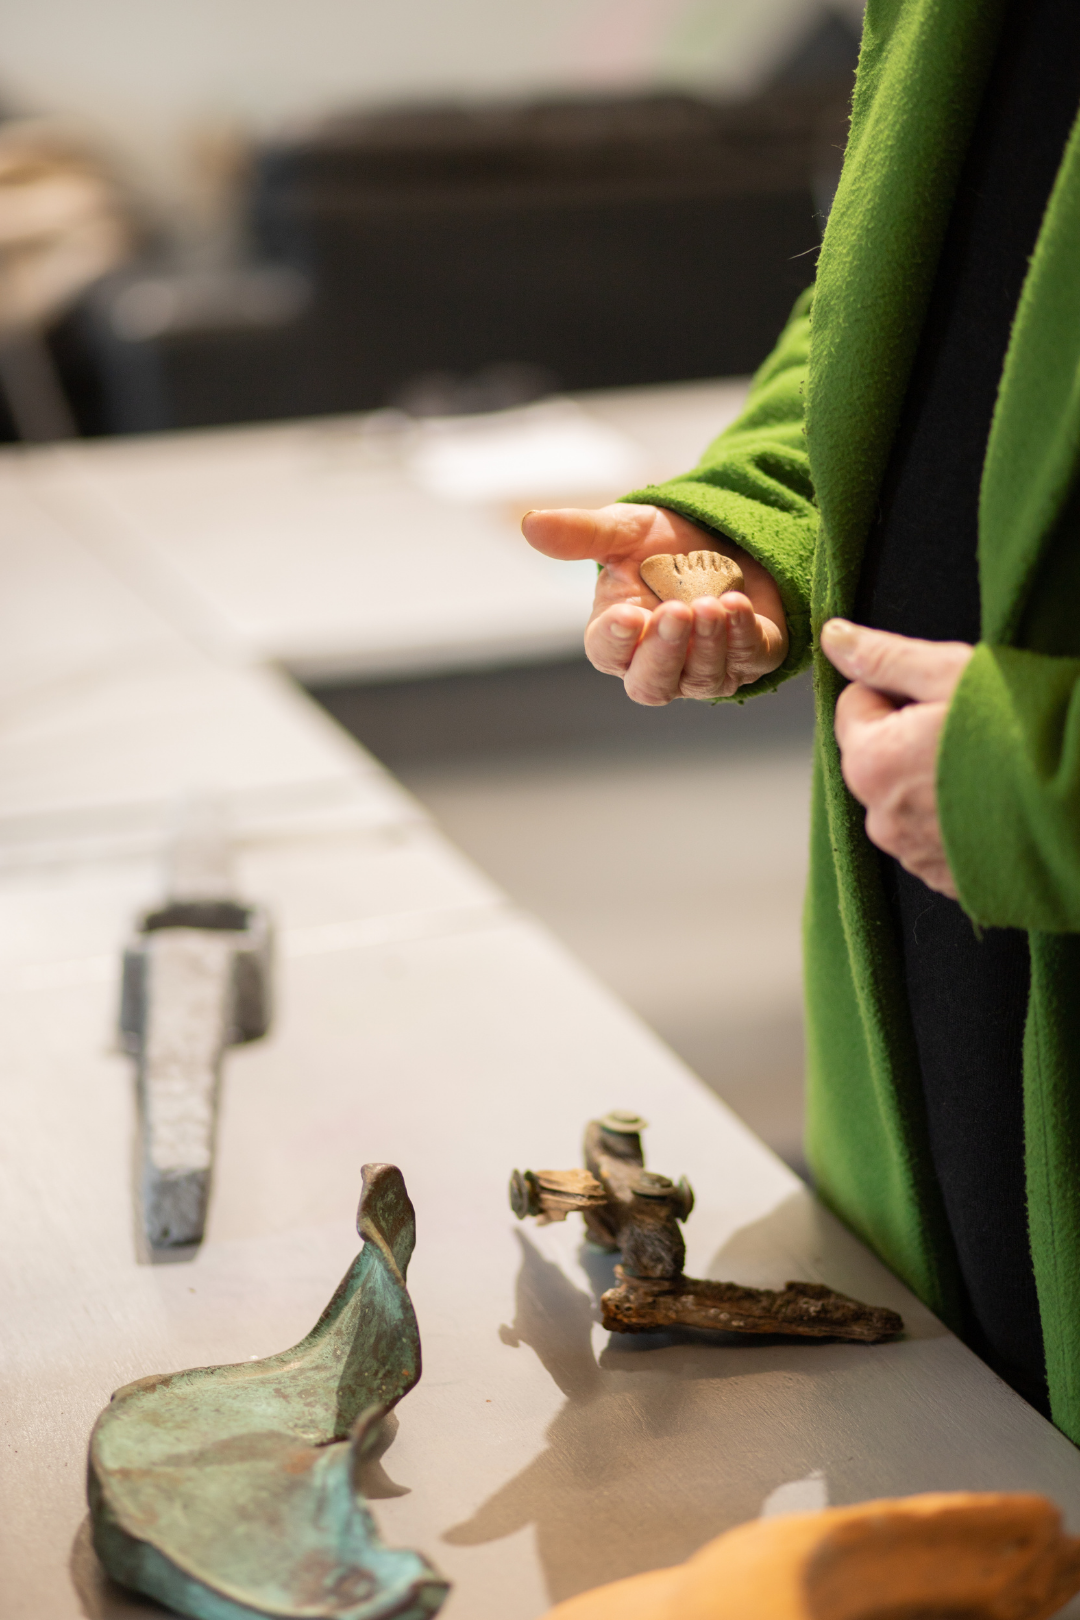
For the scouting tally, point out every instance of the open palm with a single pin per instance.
(705, 649)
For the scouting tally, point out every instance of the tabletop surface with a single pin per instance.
(423, 1021)
(374, 545)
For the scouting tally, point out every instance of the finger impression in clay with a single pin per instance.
(682, 579)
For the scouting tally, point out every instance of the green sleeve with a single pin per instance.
(753, 485)
(1009, 789)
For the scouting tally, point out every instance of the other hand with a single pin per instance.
(888, 725)
(707, 649)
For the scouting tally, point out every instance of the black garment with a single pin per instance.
(968, 998)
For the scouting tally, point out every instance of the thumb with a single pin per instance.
(902, 666)
(571, 533)
(611, 534)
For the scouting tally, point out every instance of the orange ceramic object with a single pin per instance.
(955, 1556)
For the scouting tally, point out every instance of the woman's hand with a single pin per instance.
(888, 725)
(707, 649)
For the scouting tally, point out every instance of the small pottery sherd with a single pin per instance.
(684, 579)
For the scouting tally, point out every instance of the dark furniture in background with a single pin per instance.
(604, 244)
(159, 348)
(461, 258)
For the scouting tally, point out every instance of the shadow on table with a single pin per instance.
(636, 1473)
(648, 1459)
(665, 1440)
(100, 1597)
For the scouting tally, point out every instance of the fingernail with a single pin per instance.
(706, 626)
(671, 627)
(841, 634)
(622, 632)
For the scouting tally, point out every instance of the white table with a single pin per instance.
(421, 1021)
(362, 547)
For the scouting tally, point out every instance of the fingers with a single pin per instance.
(871, 747)
(888, 726)
(857, 710)
(755, 644)
(934, 871)
(888, 755)
(902, 665)
(705, 668)
(731, 646)
(612, 638)
(704, 650)
(656, 668)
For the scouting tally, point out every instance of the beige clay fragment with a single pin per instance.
(682, 579)
(958, 1554)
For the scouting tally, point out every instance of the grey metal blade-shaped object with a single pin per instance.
(231, 1493)
(196, 980)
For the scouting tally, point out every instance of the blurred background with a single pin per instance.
(459, 258)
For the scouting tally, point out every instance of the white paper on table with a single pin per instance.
(551, 448)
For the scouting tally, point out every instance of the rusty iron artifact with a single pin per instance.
(633, 1210)
(196, 980)
(230, 1493)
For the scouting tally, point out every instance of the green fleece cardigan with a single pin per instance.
(795, 480)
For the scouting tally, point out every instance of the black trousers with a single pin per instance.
(968, 999)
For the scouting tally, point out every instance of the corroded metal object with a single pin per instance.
(229, 1493)
(638, 1212)
(196, 980)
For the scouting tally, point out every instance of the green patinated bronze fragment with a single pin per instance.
(230, 1493)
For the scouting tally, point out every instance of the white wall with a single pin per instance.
(147, 75)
